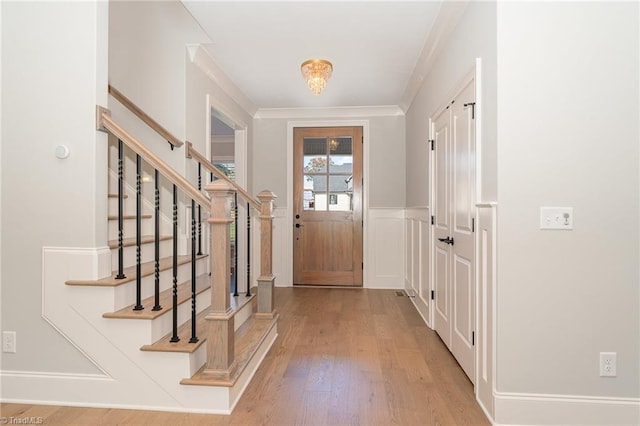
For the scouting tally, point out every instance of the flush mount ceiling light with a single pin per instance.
(316, 72)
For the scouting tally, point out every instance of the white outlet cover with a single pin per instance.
(557, 218)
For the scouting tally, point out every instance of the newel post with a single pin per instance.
(220, 335)
(266, 279)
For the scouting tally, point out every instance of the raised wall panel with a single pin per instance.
(417, 272)
(485, 381)
(384, 247)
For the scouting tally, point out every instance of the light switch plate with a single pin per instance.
(556, 217)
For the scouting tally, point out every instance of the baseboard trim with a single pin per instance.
(550, 409)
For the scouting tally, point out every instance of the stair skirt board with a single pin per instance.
(126, 377)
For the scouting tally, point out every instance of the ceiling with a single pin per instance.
(374, 47)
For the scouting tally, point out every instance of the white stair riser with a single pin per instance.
(148, 253)
(125, 294)
(129, 228)
(163, 325)
(129, 205)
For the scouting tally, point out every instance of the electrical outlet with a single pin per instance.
(9, 341)
(608, 361)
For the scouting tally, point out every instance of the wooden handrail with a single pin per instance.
(190, 152)
(174, 141)
(106, 122)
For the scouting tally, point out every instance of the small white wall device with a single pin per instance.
(62, 151)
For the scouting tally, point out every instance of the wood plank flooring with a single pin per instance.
(342, 357)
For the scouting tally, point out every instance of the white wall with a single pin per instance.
(51, 83)
(474, 37)
(568, 99)
(147, 55)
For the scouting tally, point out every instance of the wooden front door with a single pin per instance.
(327, 221)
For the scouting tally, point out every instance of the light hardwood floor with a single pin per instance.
(342, 357)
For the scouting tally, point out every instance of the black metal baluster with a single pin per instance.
(156, 305)
(120, 274)
(248, 250)
(194, 338)
(199, 211)
(235, 245)
(174, 337)
(138, 306)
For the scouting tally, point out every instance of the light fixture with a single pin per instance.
(316, 72)
(334, 144)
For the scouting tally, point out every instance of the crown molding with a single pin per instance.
(342, 112)
(199, 56)
(446, 21)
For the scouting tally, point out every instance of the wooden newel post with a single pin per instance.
(266, 279)
(220, 335)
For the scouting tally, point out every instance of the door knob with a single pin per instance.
(447, 240)
(298, 225)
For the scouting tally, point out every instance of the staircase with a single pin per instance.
(177, 337)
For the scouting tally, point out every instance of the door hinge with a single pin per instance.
(473, 338)
(362, 265)
(473, 109)
(433, 144)
(433, 295)
(433, 220)
(473, 224)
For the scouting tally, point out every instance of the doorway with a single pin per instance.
(453, 135)
(327, 213)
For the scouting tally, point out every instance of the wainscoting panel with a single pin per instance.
(384, 248)
(417, 282)
(485, 261)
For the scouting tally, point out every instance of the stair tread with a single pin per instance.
(248, 339)
(184, 331)
(148, 268)
(129, 216)
(116, 196)
(166, 296)
(127, 242)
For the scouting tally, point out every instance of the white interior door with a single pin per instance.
(462, 220)
(453, 135)
(442, 225)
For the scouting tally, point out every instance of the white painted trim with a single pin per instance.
(199, 56)
(448, 17)
(328, 113)
(288, 234)
(549, 409)
(54, 375)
